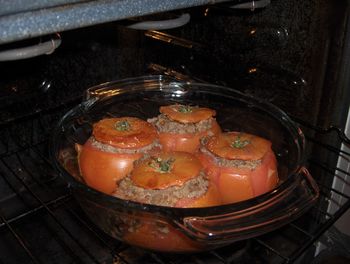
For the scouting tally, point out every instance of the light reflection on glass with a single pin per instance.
(252, 70)
(252, 31)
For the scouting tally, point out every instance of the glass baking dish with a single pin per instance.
(182, 230)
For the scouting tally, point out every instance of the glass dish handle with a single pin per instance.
(277, 209)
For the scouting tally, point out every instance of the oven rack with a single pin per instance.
(21, 20)
(40, 222)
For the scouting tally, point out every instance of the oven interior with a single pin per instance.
(290, 53)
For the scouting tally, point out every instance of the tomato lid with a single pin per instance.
(238, 146)
(186, 113)
(166, 169)
(124, 132)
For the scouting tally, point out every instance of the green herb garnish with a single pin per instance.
(184, 109)
(122, 125)
(162, 166)
(239, 143)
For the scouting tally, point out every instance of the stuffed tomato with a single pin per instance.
(181, 127)
(173, 179)
(108, 155)
(241, 165)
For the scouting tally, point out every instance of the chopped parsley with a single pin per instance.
(122, 125)
(160, 165)
(239, 143)
(185, 109)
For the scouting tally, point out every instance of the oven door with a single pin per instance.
(290, 53)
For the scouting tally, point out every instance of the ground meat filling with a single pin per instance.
(249, 164)
(166, 125)
(109, 148)
(193, 188)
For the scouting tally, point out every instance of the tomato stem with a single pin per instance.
(162, 166)
(122, 125)
(239, 143)
(184, 109)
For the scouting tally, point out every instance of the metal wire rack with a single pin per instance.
(40, 222)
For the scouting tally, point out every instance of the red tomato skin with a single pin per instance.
(186, 142)
(140, 134)
(212, 171)
(264, 177)
(179, 142)
(211, 198)
(235, 185)
(101, 170)
(238, 184)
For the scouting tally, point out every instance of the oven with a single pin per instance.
(291, 53)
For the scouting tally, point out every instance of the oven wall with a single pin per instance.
(289, 53)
